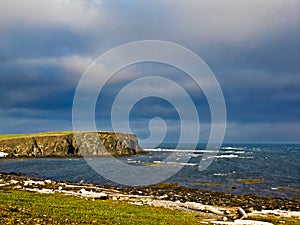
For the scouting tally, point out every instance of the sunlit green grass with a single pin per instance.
(250, 181)
(23, 205)
(7, 136)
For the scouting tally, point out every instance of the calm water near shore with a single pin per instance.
(263, 169)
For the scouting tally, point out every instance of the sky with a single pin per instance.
(251, 46)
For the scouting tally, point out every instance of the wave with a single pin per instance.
(236, 152)
(173, 163)
(182, 164)
(230, 151)
(239, 152)
(179, 150)
(220, 174)
(232, 148)
(227, 156)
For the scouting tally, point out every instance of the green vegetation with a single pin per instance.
(250, 181)
(207, 184)
(32, 208)
(7, 136)
(153, 164)
(22, 207)
(164, 185)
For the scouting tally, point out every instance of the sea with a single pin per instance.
(262, 169)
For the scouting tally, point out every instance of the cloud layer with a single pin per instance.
(251, 46)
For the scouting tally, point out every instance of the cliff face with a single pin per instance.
(71, 144)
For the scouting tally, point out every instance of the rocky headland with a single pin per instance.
(70, 144)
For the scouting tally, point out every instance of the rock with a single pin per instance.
(18, 187)
(3, 154)
(163, 196)
(94, 195)
(242, 213)
(194, 206)
(14, 181)
(277, 212)
(136, 203)
(46, 191)
(102, 196)
(32, 182)
(163, 203)
(214, 210)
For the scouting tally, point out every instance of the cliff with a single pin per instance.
(68, 144)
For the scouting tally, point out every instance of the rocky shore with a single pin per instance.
(222, 205)
(249, 202)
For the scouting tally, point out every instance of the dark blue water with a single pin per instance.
(276, 168)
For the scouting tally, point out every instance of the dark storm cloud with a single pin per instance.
(43, 87)
(35, 97)
(23, 42)
(251, 46)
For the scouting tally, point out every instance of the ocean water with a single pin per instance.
(263, 169)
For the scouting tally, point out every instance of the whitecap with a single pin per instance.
(229, 151)
(220, 174)
(274, 188)
(228, 148)
(179, 150)
(232, 148)
(227, 156)
(183, 164)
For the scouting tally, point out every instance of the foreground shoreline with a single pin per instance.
(216, 205)
(172, 192)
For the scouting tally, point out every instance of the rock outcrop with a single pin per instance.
(71, 144)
